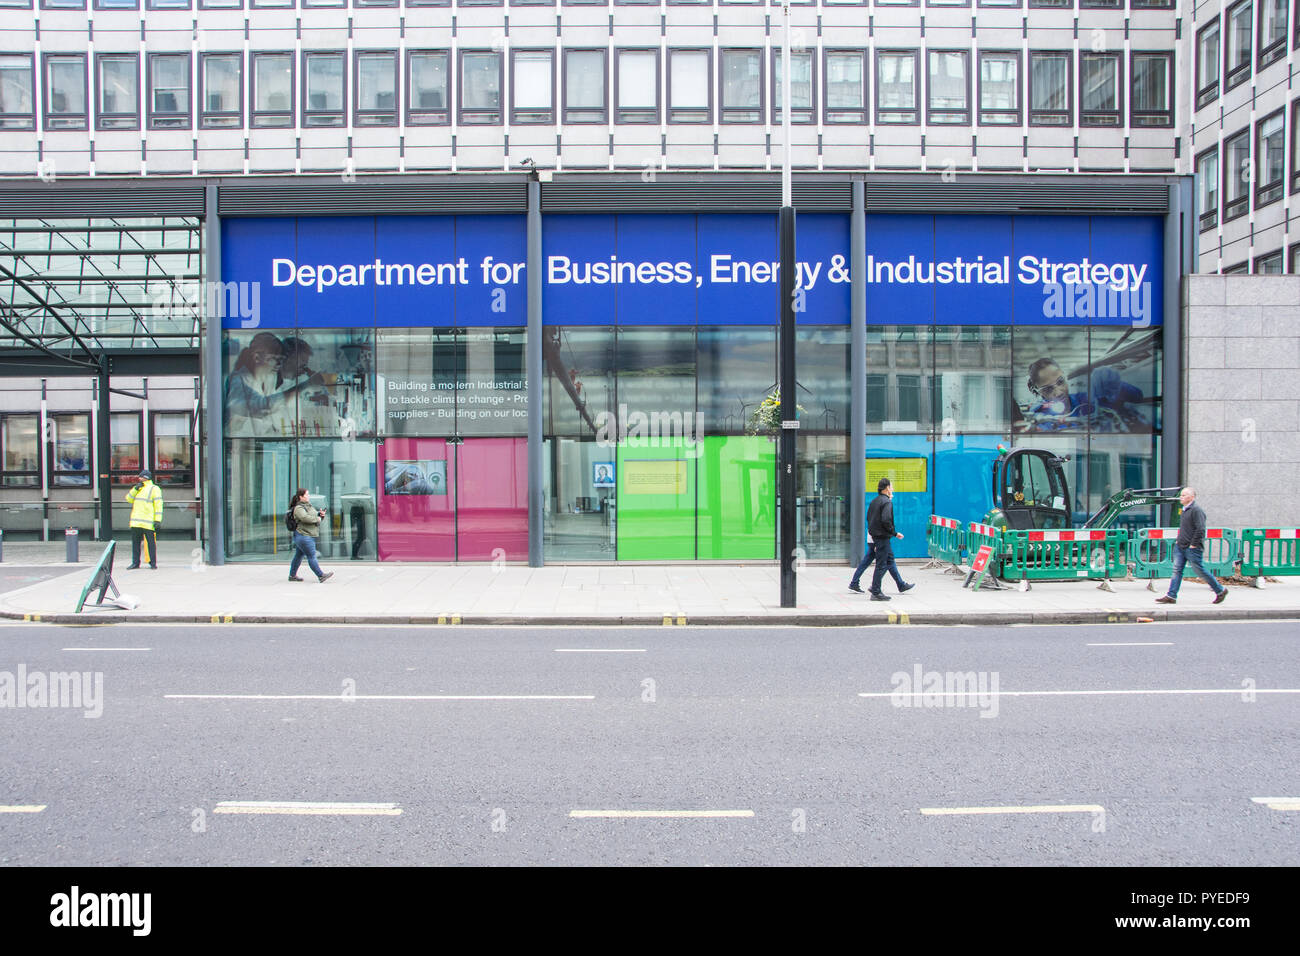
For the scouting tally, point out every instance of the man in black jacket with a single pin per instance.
(1190, 549)
(881, 534)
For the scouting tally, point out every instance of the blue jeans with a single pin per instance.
(869, 557)
(1192, 556)
(304, 546)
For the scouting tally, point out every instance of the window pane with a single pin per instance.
(221, 84)
(1239, 27)
(170, 84)
(15, 92)
(737, 370)
(21, 449)
(532, 79)
(428, 82)
(1272, 28)
(689, 79)
(377, 81)
(844, 81)
(998, 82)
(1049, 81)
(1271, 156)
(67, 86)
(118, 93)
(71, 450)
(481, 82)
(1207, 58)
(273, 82)
(1150, 83)
(172, 450)
(1207, 174)
(896, 81)
(124, 441)
(800, 82)
(638, 83)
(1236, 167)
(584, 81)
(1099, 79)
(948, 80)
(742, 90)
(325, 82)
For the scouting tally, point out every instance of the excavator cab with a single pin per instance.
(1029, 491)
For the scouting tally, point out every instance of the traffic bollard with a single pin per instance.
(72, 537)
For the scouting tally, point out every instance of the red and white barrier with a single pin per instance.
(1067, 535)
(1167, 534)
(952, 523)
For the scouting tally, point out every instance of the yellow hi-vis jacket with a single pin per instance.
(146, 505)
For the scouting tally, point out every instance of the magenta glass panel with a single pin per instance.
(492, 486)
(417, 500)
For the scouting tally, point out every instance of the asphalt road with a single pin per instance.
(766, 725)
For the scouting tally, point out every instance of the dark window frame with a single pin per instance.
(1293, 259)
(167, 477)
(100, 116)
(620, 113)
(128, 475)
(1235, 208)
(1295, 145)
(884, 115)
(1236, 269)
(760, 110)
(1271, 192)
(1210, 91)
(27, 119)
(333, 118)
(1269, 54)
(204, 114)
(256, 117)
(117, 5)
(799, 116)
(515, 112)
(360, 116)
(156, 119)
(1260, 260)
(53, 471)
(1051, 4)
(209, 5)
(864, 111)
(416, 116)
(74, 121)
(461, 111)
(26, 478)
(567, 111)
(1235, 77)
(672, 114)
(1115, 117)
(1018, 113)
(1163, 119)
(1037, 117)
(930, 110)
(1209, 218)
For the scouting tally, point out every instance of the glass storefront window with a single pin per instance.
(822, 486)
(416, 382)
(579, 522)
(899, 370)
(656, 381)
(341, 478)
(124, 436)
(737, 370)
(172, 452)
(579, 364)
(972, 365)
(492, 388)
(1051, 378)
(21, 451)
(71, 434)
(261, 479)
(1124, 384)
(822, 374)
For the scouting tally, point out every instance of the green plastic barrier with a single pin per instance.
(1271, 551)
(1151, 552)
(944, 540)
(1064, 555)
(978, 535)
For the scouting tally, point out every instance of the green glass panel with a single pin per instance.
(737, 511)
(656, 500)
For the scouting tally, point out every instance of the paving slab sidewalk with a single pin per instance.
(366, 592)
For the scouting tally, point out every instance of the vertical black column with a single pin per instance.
(214, 458)
(103, 438)
(786, 459)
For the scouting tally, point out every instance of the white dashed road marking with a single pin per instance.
(296, 808)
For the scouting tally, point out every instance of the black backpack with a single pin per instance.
(290, 521)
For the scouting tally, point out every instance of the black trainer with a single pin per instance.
(879, 597)
(906, 586)
(855, 587)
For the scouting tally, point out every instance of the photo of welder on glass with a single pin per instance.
(427, 477)
(1109, 386)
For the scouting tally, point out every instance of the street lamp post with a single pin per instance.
(789, 422)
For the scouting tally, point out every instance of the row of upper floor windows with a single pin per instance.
(1225, 45)
(376, 88)
(363, 4)
(1249, 164)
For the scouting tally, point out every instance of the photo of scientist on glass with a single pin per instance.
(427, 477)
(1110, 386)
(314, 384)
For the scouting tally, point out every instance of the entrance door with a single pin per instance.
(443, 501)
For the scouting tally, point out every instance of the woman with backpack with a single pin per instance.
(304, 521)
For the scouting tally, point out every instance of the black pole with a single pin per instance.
(786, 458)
(105, 457)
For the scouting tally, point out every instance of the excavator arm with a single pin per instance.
(1122, 501)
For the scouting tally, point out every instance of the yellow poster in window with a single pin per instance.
(907, 474)
(654, 476)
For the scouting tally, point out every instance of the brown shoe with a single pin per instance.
(1218, 598)
(1166, 600)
